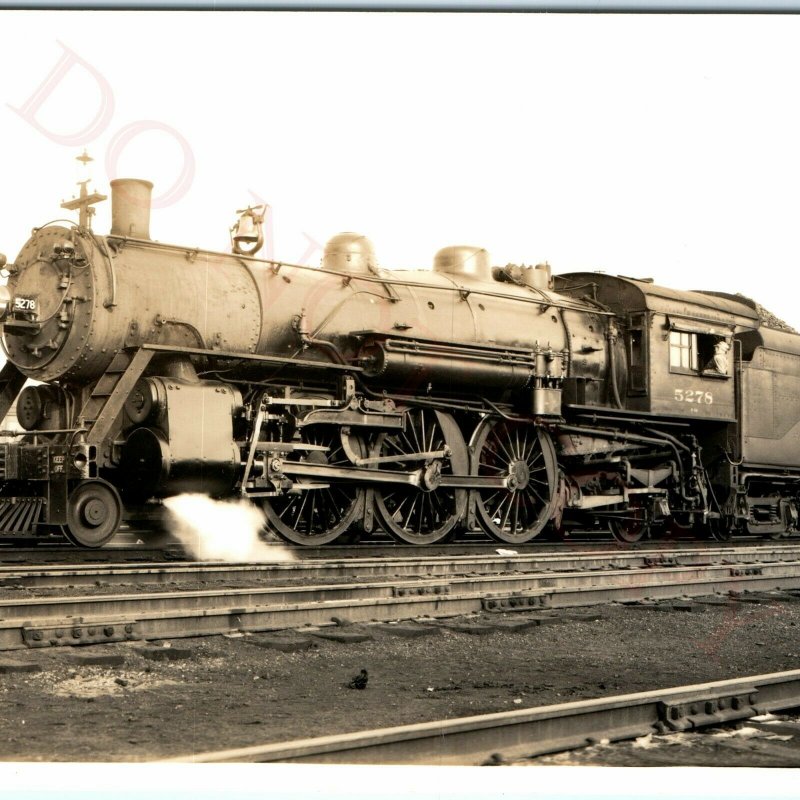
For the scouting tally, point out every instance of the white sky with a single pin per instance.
(660, 146)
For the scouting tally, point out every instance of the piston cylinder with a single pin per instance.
(181, 450)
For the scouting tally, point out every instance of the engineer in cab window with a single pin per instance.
(719, 362)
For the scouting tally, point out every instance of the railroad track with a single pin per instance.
(166, 548)
(180, 572)
(507, 736)
(53, 621)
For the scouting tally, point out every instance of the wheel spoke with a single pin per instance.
(510, 504)
(514, 512)
(301, 509)
(529, 506)
(287, 508)
(311, 509)
(502, 446)
(504, 498)
(391, 441)
(411, 511)
(534, 458)
(497, 456)
(414, 424)
(489, 498)
(339, 496)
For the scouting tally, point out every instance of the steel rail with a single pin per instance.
(162, 548)
(43, 622)
(527, 732)
(478, 586)
(61, 575)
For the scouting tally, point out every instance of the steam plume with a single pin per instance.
(221, 530)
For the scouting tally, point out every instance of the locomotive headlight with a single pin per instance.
(5, 302)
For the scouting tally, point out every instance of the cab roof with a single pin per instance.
(624, 295)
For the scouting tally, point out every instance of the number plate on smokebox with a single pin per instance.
(29, 305)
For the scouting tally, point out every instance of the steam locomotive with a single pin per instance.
(348, 399)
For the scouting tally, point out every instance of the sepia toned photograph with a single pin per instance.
(398, 388)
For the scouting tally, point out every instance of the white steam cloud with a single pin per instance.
(221, 530)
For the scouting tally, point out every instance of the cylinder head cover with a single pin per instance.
(464, 260)
(146, 401)
(349, 252)
(130, 207)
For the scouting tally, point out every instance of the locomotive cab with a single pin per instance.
(678, 346)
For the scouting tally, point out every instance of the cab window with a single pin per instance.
(683, 350)
(700, 353)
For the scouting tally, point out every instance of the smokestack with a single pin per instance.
(130, 207)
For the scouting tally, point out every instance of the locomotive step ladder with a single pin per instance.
(104, 404)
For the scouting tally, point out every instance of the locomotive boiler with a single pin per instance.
(348, 398)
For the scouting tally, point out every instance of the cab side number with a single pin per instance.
(694, 396)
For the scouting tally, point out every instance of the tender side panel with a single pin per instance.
(771, 409)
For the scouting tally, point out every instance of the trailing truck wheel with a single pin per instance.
(525, 455)
(720, 529)
(631, 526)
(94, 514)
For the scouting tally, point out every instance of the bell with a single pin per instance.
(246, 231)
(248, 234)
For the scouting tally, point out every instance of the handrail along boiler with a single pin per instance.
(348, 398)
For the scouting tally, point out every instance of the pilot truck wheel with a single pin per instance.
(94, 514)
